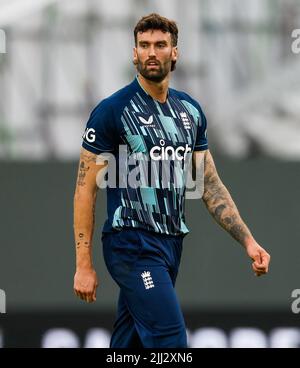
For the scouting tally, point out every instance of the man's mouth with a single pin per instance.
(153, 63)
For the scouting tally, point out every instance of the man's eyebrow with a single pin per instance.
(156, 42)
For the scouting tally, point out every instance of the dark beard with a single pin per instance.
(158, 76)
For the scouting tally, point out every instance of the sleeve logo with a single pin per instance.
(89, 135)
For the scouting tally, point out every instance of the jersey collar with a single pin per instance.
(140, 87)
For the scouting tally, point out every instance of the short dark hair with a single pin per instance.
(157, 22)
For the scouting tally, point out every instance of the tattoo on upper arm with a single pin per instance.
(82, 173)
(212, 182)
(89, 157)
(220, 204)
(85, 159)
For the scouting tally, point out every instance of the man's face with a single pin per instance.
(154, 54)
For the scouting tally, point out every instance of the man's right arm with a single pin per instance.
(85, 279)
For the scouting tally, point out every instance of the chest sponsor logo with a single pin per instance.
(164, 152)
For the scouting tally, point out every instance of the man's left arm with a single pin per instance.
(221, 206)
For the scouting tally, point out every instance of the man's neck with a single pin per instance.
(157, 90)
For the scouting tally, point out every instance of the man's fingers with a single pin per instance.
(261, 261)
(257, 259)
(85, 287)
(259, 270)
(266, 259)
(77, 293)
(87, 296)
(85, 283)
(260, 266)
(81, 294)
(94, 294)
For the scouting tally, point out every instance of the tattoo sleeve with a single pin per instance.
(84, 202)
(220, 204)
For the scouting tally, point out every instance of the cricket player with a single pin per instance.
(156, 130)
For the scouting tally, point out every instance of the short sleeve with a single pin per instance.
(100, 133)
(201, 143)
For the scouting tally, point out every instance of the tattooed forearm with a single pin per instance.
(82, 240)
(84, 209)
(85, 244)
(220, 204)
(227, 215)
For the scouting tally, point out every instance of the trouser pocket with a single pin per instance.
(121, 251)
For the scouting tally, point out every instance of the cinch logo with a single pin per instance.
(89, 135)
(168, 152)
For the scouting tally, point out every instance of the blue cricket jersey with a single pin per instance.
(142, 134)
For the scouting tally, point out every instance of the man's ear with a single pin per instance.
(135, 58)
(175, 53)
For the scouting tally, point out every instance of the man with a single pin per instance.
(142, 237)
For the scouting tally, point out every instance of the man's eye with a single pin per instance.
(161, 45)
(144, 46)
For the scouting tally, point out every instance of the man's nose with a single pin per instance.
(152, 51)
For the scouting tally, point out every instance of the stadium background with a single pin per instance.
(236, 58)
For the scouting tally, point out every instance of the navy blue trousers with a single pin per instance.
(145, 266)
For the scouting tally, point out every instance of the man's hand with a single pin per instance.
(260, 258)
(85, 284)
